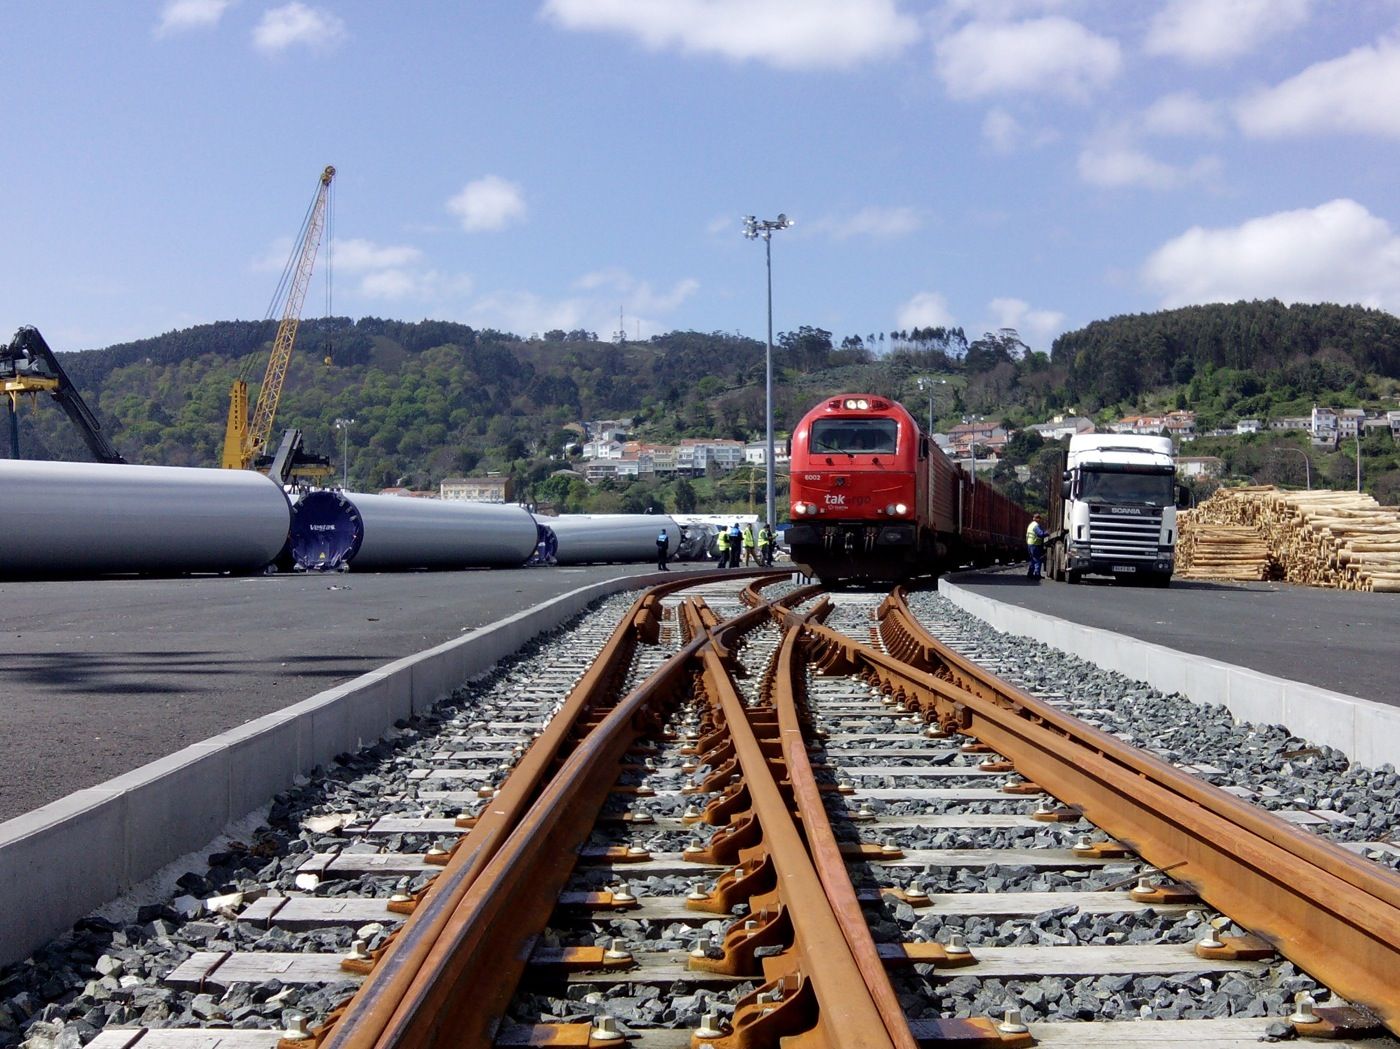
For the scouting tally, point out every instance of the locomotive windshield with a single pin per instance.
(855, 436)
(1152, 489)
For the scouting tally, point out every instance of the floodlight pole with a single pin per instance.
(764, 228)
(343, 425)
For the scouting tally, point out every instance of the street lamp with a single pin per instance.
(927, 386)
(1307, 463)
(764, 228)
(343, 425)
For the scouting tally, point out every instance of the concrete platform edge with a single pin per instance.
(64, 860)
(1366, 731)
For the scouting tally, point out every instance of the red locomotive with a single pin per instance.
(874, 498)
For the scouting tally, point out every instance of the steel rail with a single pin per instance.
(457, 992)
(360, 1023)
(1331, 912)
(846, 1012)
(787, 685)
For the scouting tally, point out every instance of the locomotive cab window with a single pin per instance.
(855, 436)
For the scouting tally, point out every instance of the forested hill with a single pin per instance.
(1292, 351)
(431, 399)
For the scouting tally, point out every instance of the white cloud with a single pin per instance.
(1037, 328)
(178, 16)
(393, 272)
(1336, 252)
(880, 222)
(357, 255)
(397, 284)
(1114, 165)
(296, 24)
(927, 309)
(1207, 31)
(1002, 131)
(1184, 114)
(1354, 93)
(724, 224)
(488, 203)
(789, 34)
(637, 296)
(1053, 55)
(592, 306)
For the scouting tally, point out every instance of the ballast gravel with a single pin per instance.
(104, 971)
(107, 969)
(1267, 764)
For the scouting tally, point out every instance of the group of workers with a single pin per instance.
(731, 544)
(736, 542)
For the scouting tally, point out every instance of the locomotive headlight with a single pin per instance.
(900, 508)
(889, 510)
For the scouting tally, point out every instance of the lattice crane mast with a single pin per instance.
(245, 440)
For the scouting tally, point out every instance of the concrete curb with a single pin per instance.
(1366, 731)
(70, 857)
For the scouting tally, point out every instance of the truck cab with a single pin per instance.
(1113, 511)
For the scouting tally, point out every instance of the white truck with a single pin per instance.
(1113, 510)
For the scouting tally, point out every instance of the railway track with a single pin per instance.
(766, 816)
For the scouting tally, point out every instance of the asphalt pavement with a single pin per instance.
(1343, 640)
(103, 676)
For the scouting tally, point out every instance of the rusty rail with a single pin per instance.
(817, 987)
(448, 976)
(1332, 913)
(788, 686)
(363, 1020)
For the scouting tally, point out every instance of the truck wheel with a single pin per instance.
(1071, 576)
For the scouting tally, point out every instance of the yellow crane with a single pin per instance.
(244, 441)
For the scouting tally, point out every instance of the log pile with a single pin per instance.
(1233, 552)
(1343, 540)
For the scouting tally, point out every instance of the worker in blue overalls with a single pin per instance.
(663, 548)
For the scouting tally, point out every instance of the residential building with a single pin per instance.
(599, 470)
(1200, 465)
(696, 454)
(1179, 424)
(1393, 418)
(1323, 426)
(1247, 426)
(1349, 421)
(1291, 422)
(1063, 426)
(756, 452)
(488, 489)
(609, 429)
(965, 435)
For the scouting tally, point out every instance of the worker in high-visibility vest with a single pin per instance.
(748, 540)
(722, 546)
(765, 545)
(1035, 547)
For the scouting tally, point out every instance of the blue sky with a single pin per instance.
(537, 164)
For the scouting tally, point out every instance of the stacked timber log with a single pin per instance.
(1233, 552)
(1344, 540)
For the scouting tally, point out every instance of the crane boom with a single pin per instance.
(244, 439)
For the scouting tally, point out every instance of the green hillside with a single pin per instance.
(432, 399)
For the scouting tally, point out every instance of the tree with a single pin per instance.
(685, 498)
(807, 348)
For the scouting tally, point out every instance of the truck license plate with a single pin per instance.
(1125, 568)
